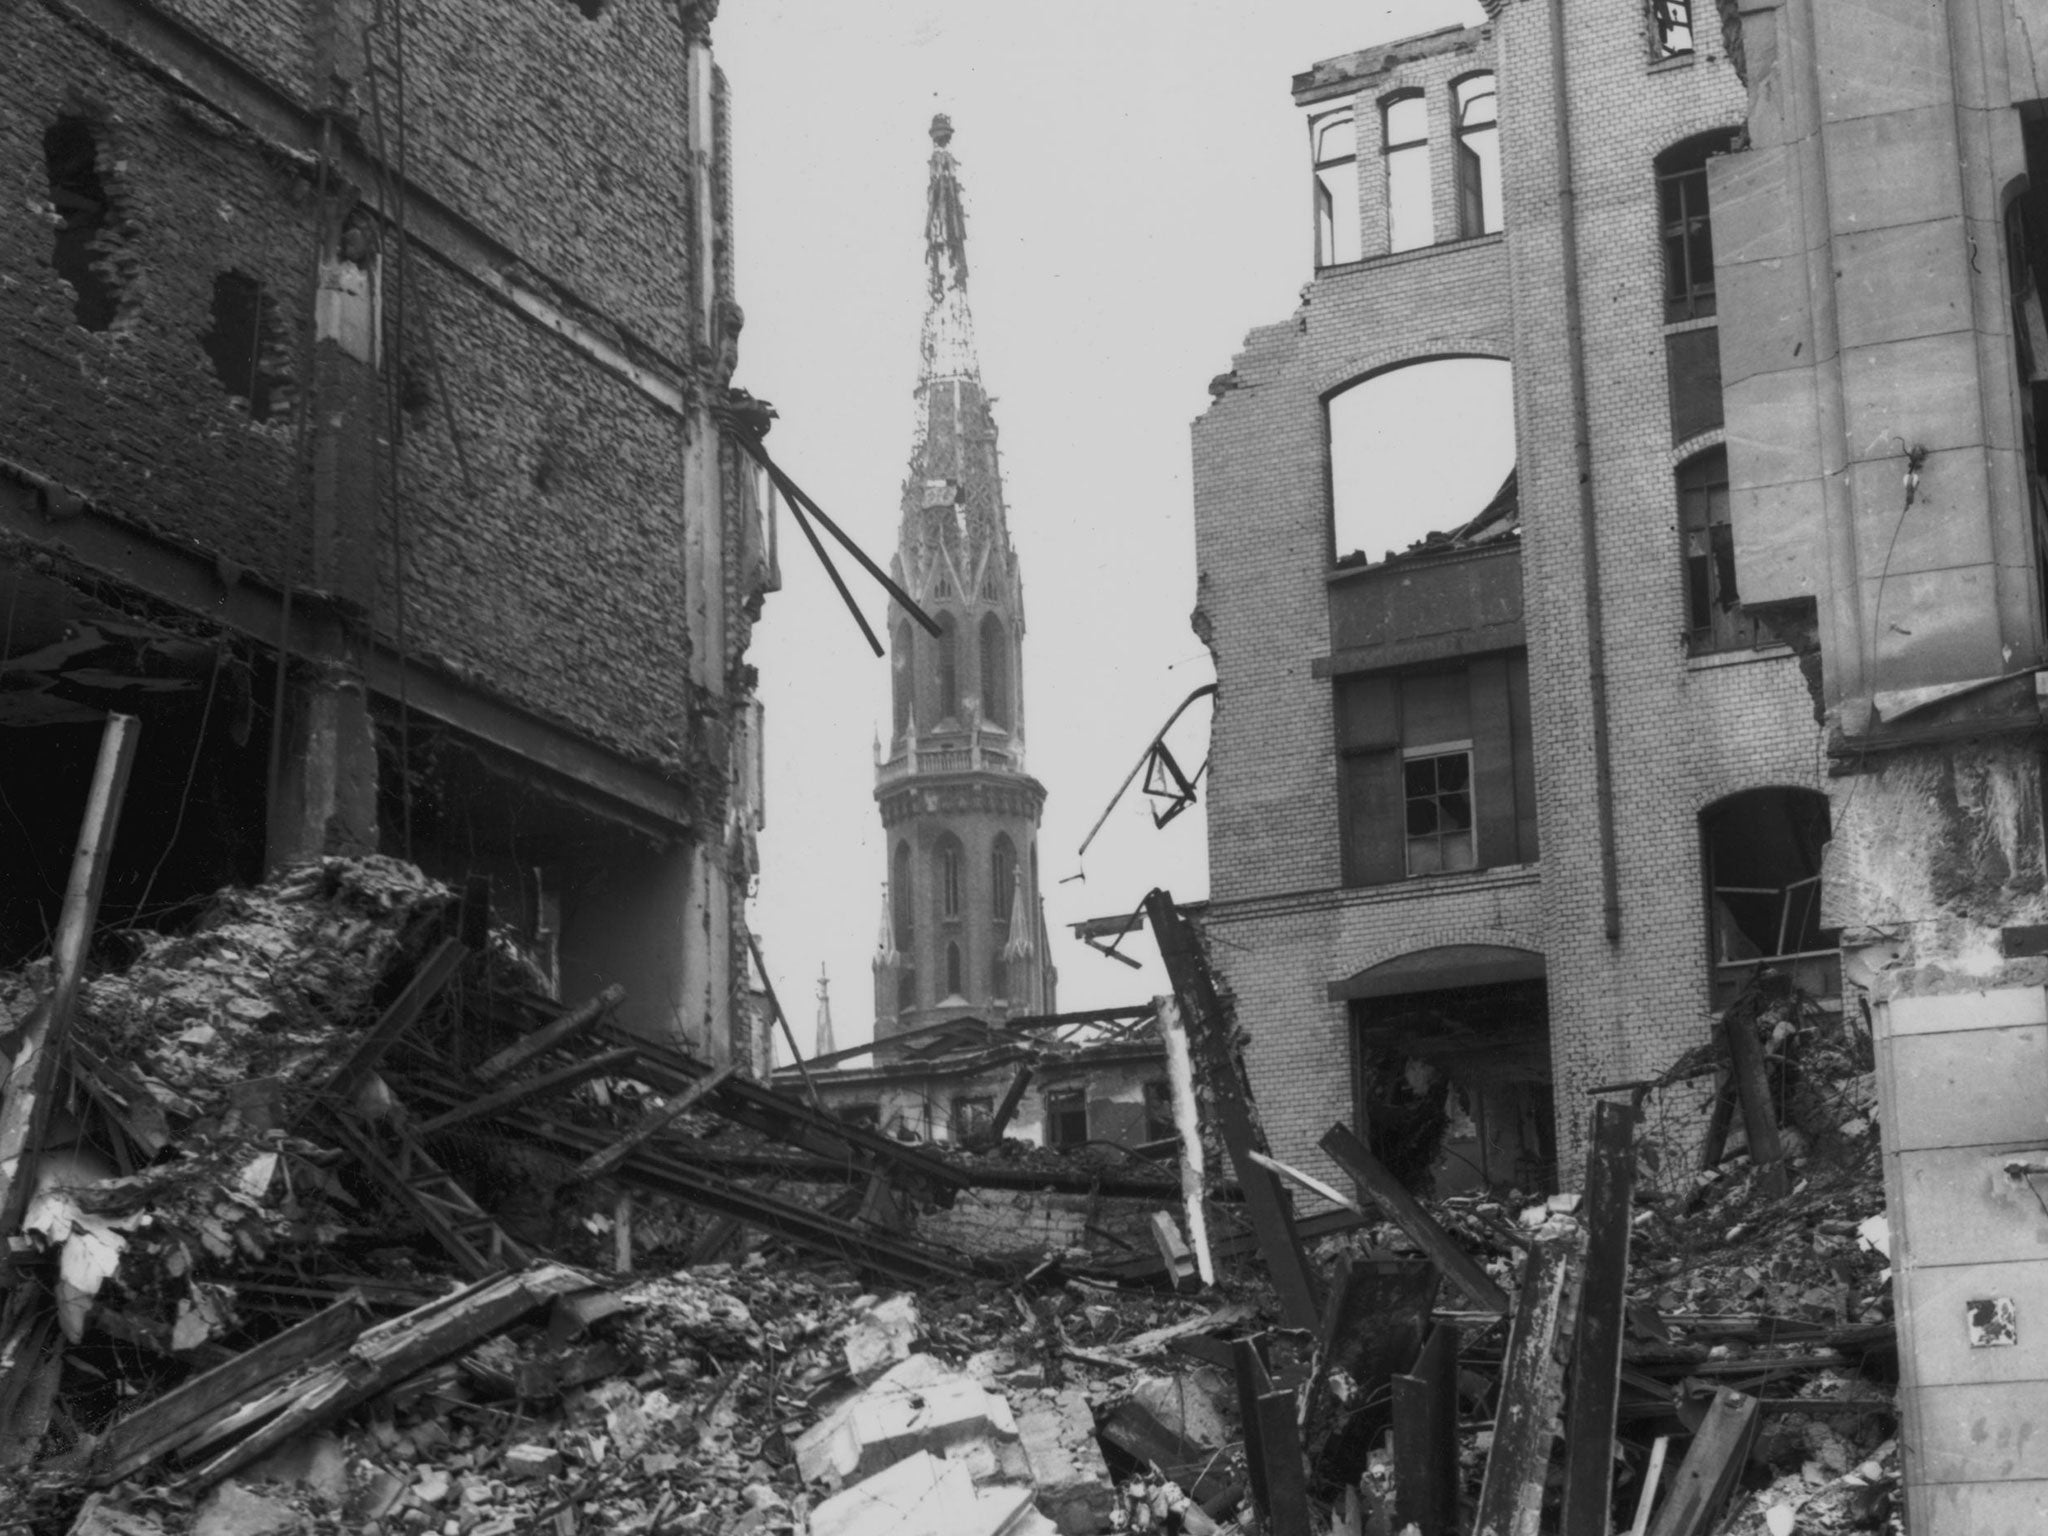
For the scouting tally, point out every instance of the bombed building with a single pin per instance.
(357, 435)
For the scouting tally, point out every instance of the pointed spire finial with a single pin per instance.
(821, 1039)
(942, 129)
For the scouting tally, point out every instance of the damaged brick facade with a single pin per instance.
(469, 518)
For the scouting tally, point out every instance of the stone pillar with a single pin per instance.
(325, 798)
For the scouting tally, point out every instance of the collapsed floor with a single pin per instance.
(340, 1224)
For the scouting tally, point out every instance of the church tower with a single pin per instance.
(963, 929)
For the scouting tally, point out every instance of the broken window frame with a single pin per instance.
(1477, 154)
(1339, 240)
(995, 672)
(1160, 1124)
(1066, 1109)
(1685, 228)
(1714, 619)
(1800, 944)
(1671, 34)
(1406, 164)
(1437, 805)
(972, 1114)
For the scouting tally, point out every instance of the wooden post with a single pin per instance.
(1746, 1053)
(1646, 1500)
(32, 1079)
(1402, 1208)
(1012, 1097)
(1272, 1446)
(1531, 1393)
(1596, 1352)
(1209, 1032)
(1426, 1438)
(1710, 1467)
(652, 1124)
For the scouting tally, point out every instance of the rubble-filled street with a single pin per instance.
(361, 1235)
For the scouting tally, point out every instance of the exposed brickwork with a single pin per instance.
(1683, 733)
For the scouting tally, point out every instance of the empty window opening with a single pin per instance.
(1333, 147)
(1066, 1117)
(956, 981)
(1714, 620)
(1672, 22)
(946, 867)
(899, 898)
(1763, 850)
(1436, 784)
(995, 672)
(1417, 449)
(868, 1116)
(1405, 144)
(84, 221)
(972, 1117)
(947, 645)
(1478, 155)
(1159, 1123)
(899, 679)
(247, 346)
(1002, 878)
(1686, 229)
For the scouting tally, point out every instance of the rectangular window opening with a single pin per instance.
(1436, 784)
(1672, 21)
(1066, 1117)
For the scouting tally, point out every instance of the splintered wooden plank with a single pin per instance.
(162, 1424)
(548, 1036)
(1596, 1351)
(1753, 1090)
(1712, 1463)
(604, 1065)
(1531, 1392)
(1426, 1438)
(651, 1125)
(1012, 1097)
(1210, 1034)
(434, 973)
(1402, 1208)
(31, 1079)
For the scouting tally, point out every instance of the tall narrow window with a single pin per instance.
(71, 160)
(1763, 850)
(1002, 877)
(1405, 143)
(998, 976)
(899, 678)
(948, 647)
(1478, 156)
(995, 672)
(899, 900)
(246, 344)
(1066, 1117)
(1672, 21)
(1688, 235)
(946, 862)
(1714, 620)
(955, 986)
(1333, 146)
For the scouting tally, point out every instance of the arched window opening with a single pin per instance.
(1405, 145)
(948, 646)
(946, 859)
(1478, 155)
(954, 981)
(1685, 227)
(899, 678)
(1002, 878)
(899, 898)
(1763, 849)
(71, 159)
(1714, 620)
(1417, 450)
(995, 672)
(1333, 147)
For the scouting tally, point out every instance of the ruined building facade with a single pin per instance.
(357, 433)
(1741, 669)
(963, 927)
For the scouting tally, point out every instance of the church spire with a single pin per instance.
(948, 342)
(821, 1035)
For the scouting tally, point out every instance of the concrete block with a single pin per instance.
(529, 1462)
(1959, 1090)
(1754, 213)
(924, 1495)
(1903, 281)
(879, 1336)
(234, 1510)
(1934, 626)
(1960, 1207)
(1772, 427)
(1981, 1433)
(919, 1405)
(1058, 1430)
(1980, 1509)
(1944, 1352)
(1880, 56)
(1766, 316)
(1921, 391)
(1780, 539)
(1894, 168)
(1945, 1012)
(1947, 525)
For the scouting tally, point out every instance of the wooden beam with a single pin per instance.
(652, 1124)
(1652, 1475)
(1531, 1393)
(32, 1077)
(1746, 1053)
(434, 973)
(1426, 1438)
(511, 1094)
(1211, 1034)
(1272, 1447)
(1712, 1463)
(1406, 1212)
(548, 1036)
(1596, 1350)
(1013, 1096)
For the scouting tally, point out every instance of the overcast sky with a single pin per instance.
(1138, 198)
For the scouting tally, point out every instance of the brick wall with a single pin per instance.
(1684, 732)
